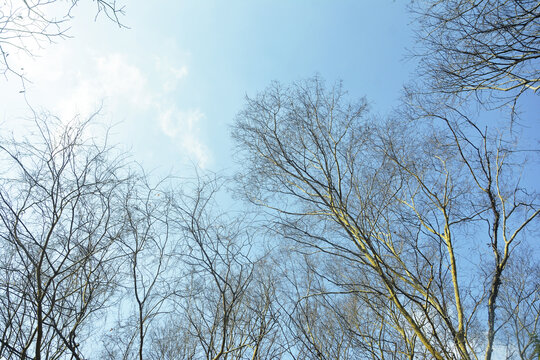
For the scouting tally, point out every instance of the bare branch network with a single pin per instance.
(27, 25)
(468, 46)
(412, 236)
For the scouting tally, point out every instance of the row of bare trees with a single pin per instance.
(98, 263)
(369, 241)
(408, 237)
(415, 234)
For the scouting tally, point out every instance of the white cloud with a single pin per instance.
(118, 77)
(73, 82)
(184, 126)
(170, 74)
(179, 73)
(111, 79)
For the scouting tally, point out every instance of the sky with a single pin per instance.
(173, 80)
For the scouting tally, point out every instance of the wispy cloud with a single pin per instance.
(171, 74)
(184, 126)
(72, 81)
(126, 91)
(110, 79)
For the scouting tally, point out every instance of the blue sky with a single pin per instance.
(175, 79)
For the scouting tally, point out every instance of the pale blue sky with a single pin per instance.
(176, 78)
(174, 81)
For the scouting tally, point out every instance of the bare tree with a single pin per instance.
(25, 25)
(394, 203)
(61, 220)
(476, 180)
(194, 289)
(471, 46)
(146, 270)
(224, 308)
(520, 306)
(334, 314)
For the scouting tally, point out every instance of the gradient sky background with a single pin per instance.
(175, 79)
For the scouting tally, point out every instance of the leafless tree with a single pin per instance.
(147, 252)
(60, 196)
(478, 179)
(195, 289)
(331, 316)
(399, 205)
(473, 46)
(227, 301)
(520, 306)
(25, 25)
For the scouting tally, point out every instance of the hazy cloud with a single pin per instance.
(75, 82)
(184, 126)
